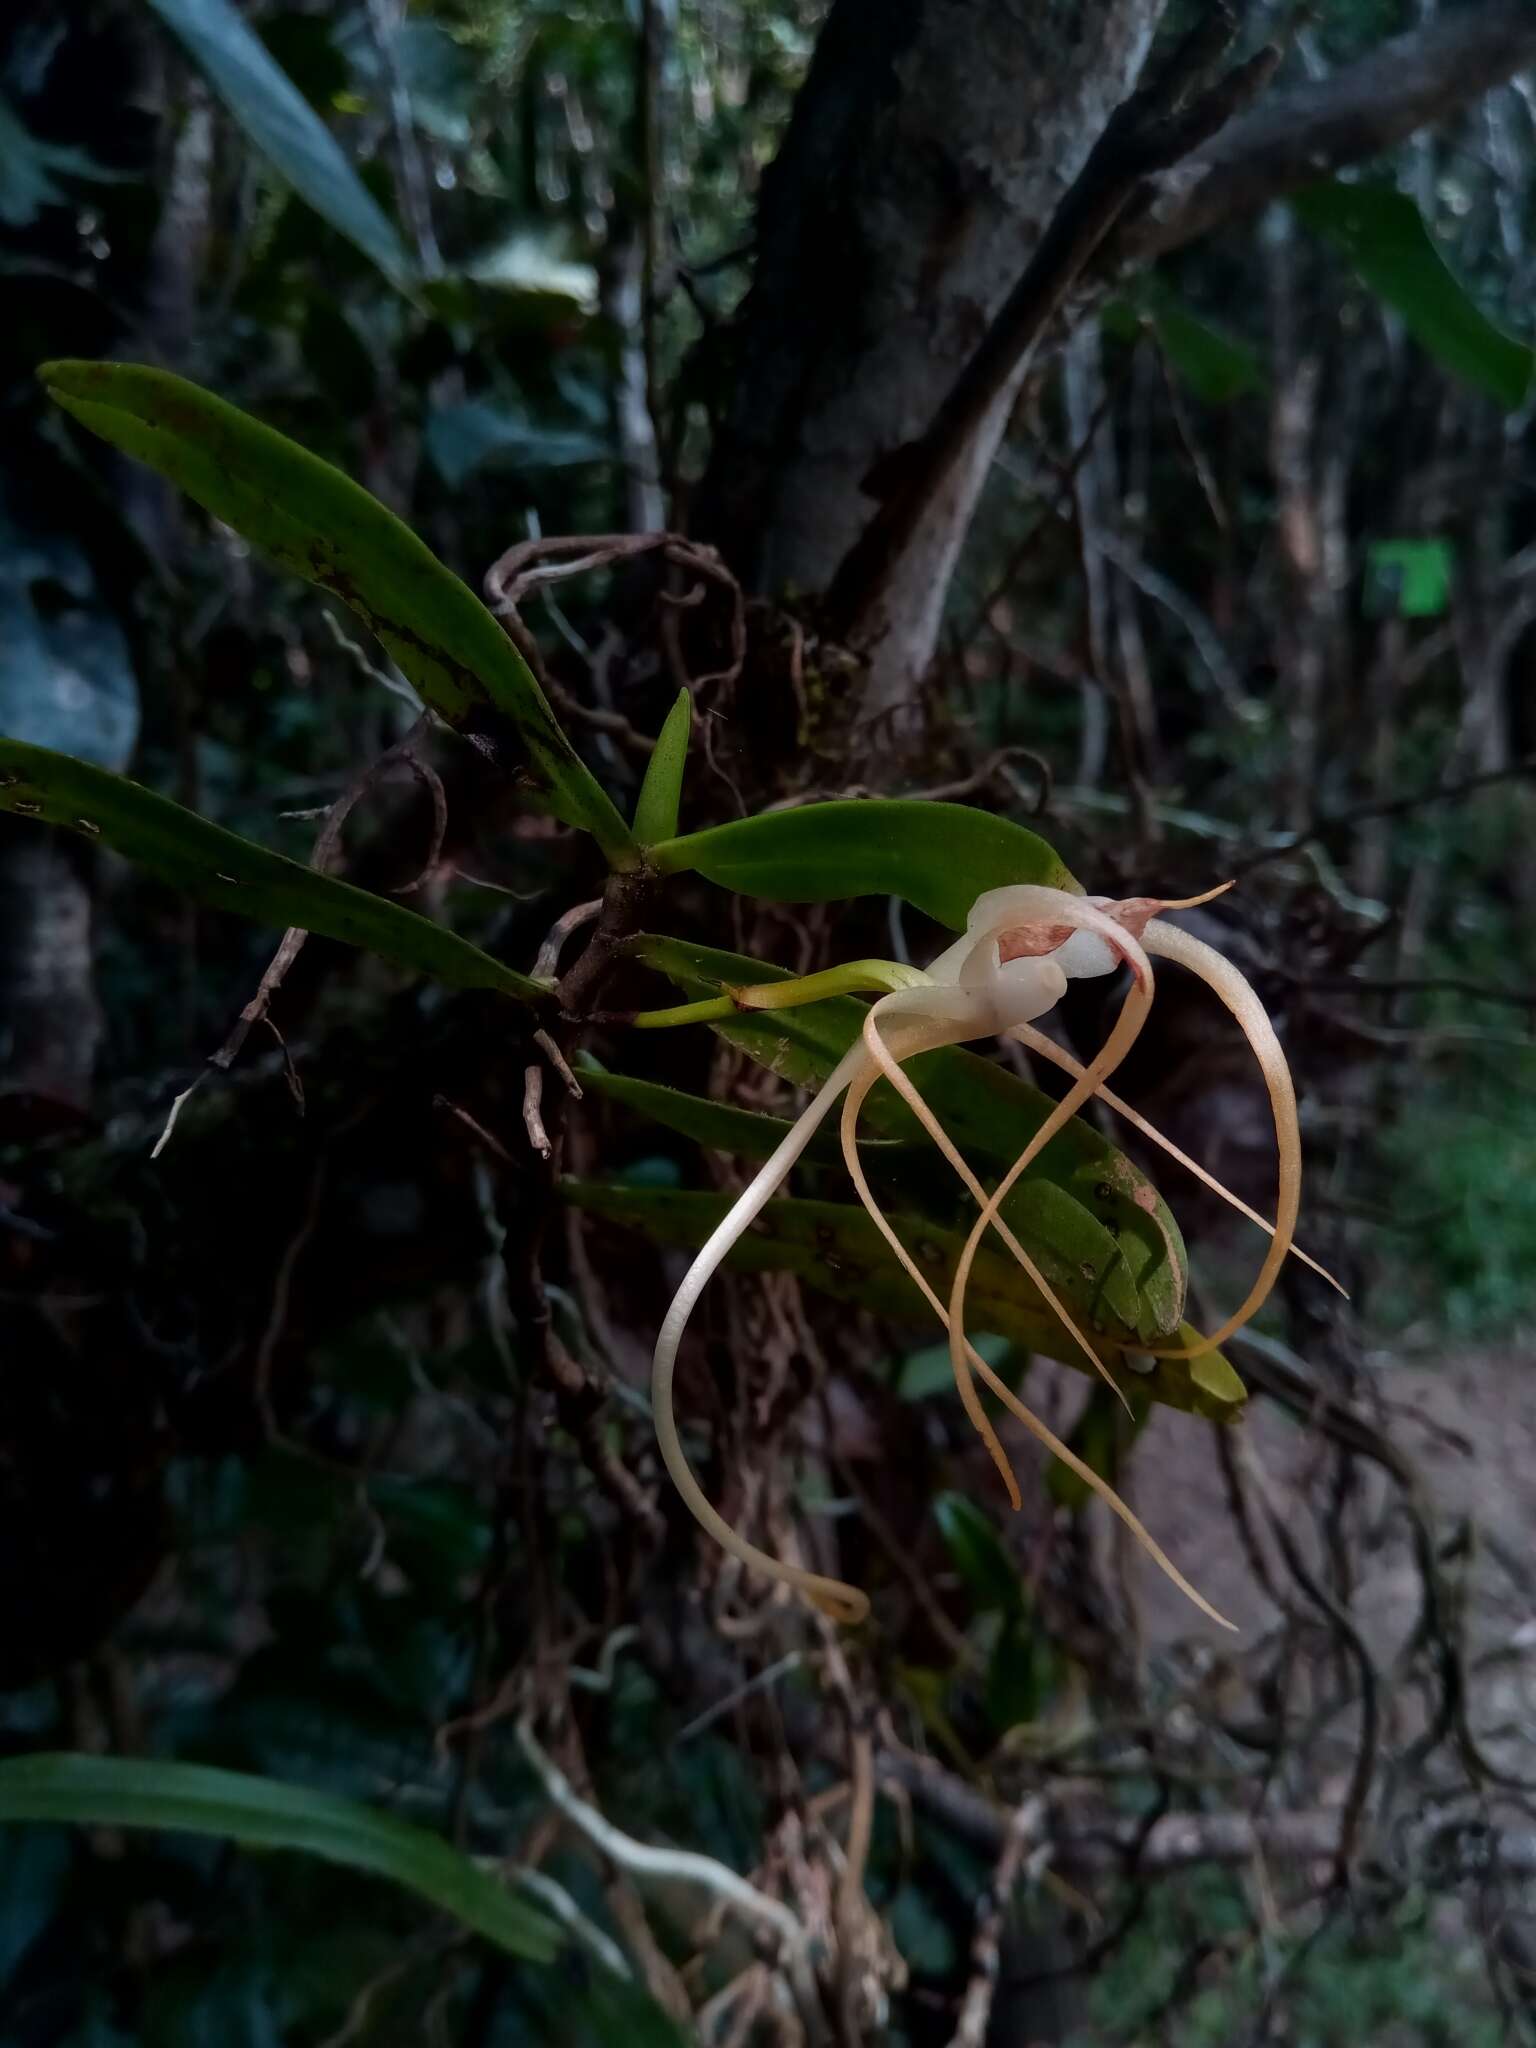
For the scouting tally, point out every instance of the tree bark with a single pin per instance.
(1308, 130)
(928, 150)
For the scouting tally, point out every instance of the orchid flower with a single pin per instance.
(1020, 948)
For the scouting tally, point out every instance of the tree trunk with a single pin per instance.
(928, 150)
(929, 147)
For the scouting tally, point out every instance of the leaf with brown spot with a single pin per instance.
(835, 1248)
(1090, 1203)
(308, 517)
(234, 873)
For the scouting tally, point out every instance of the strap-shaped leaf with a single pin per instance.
(264, 1813)
(937, 857)
(1103, 1437)
(662, 790)
(233, 873)
(835, 1248)
(1383, 235)
(283, 126)
(1085, 1260)
(312, 519)
(990, 1113)
(747, 1133)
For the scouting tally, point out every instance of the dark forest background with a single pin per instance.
(324, 1450)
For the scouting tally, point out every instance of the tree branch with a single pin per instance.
(1301, 134)
(1170, 113)
(1091, 1839)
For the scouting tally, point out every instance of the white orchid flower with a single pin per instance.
(1020, 948)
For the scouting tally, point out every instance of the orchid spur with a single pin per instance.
(1021, 946)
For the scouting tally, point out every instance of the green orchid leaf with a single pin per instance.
(1102, 1437)
(1215, 366)
(1084, 1192)
(928, 1371)
(937, 857)
(747, 1133)
(1088, 1260)
(979, 1554)
(263, 1813)
(1382, 234)
(283, 126)
(1024, 1674)
(234, 873)
(835, 1248)
(661, 793)
(310, 518)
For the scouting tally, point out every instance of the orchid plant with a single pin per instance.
(1026, 930)
(1021, 946)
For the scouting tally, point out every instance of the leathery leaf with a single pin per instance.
(1085, 1200)
(310, 518)
(234, 873)
(835, 1248)
(938, 857)
(265, 1813)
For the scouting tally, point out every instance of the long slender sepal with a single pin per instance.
(1041, 1431)
(1232, 988)
(841, 1602)
(1036, 1042)
(904, 1085)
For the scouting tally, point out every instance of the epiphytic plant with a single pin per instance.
(1021, 946)
(1097, 1267)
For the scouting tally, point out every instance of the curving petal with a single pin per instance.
(1234, 990)
(904, 1085)
(840, 1601)
(1041, 1431)
(1047, 1048)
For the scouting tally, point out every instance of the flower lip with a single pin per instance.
(1089, 952)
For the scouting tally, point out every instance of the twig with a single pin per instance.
(1353, 1815)
(580, 1401)
(488, 1139)
(415, 201)
(395, 683)
(1413, 985)
(533, 1118)
(530, 564)
(1023, 1834)
(557, 1060)
(759, 1682)
(1393, 807)
(686, 1866)
(175, 1111)
(323, 858)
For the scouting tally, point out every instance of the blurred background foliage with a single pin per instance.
(1253, 584)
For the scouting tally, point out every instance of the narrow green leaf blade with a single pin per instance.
(661, 792)
(310, 518)
(234, 873)
(1215, 366)
(937, 857)
(723, 1126)
(979, 1554)
(1383, 235)
(283, 126)
(1102, 1437)
(263, 1813)
(1087, 1197)
(835, 1248)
